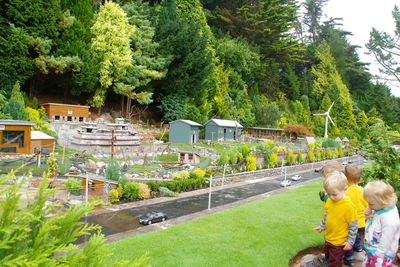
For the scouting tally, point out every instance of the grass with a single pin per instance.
(265, 232)
(143, 168)
(173, 157)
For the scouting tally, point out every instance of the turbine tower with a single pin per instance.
(327, 116)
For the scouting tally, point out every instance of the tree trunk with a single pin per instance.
(31, 87)
(127, 107)
(122, 105)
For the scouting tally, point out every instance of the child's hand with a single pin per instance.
(367, 212)
(347, 246)
(318, 230)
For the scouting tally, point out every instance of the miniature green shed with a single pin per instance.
(222, 130)
(184, 132)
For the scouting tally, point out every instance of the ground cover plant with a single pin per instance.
(266, 232)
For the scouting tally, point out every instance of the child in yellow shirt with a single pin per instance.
(339, 221)
(326, 170)
(355, 193)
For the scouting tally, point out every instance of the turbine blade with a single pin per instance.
(319, 114)
(331, 120)
(329, 109)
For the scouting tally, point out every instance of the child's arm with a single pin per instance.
(388, 231)
(352, 234)
(321, 226)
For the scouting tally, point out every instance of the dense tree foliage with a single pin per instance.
(260, 62)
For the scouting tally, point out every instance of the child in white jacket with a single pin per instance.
(382, 229)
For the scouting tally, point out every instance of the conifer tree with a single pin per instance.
(111, 43)
(327, 80)
(184, 35)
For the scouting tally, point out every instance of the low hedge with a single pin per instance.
(178, 185)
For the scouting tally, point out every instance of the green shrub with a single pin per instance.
(329, 154)
(323, 154)
(340, 152)
(165, 192)
(336, 153)
(268, 144)
(299, 158)
(73, 186)
(239, 156)
(233, 157)
(35, 103)
(182, 175)
(223, 159)
(162, 136)
(123, 181)
(113, 196)
(31, 237)
(273, 160)
(260, 148)
(144, 191)
(208, 172)
(318, 155)
(52, 167)
(113, 171)
(131, 190)
(154, 187)
(245, 150)
(310, 156)
(290, 157)
(330, 143)
(250, 163)
(120, 190)
(197, 173)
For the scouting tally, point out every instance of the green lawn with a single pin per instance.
(265, 232)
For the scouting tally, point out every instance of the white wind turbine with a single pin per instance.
(327, 116)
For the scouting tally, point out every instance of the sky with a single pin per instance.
(359, 16)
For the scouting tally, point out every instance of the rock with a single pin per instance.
(73, 170)
(90, 164)
(100, 164)
(311, 260)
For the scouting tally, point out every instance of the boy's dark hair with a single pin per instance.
(330, 167)
(353, 173)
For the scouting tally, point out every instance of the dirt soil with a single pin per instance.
(358, 257)
(295, 261)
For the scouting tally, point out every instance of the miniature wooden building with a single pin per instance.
(184, 132)
(15, 137)
(267, 133)
(188, 157)
(42, 142)
(222, 130)
(66, 112)
(97, 184)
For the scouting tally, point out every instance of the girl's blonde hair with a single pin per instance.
(335, 181)
(380, 193)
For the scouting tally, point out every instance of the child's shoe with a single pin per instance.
(348, 262)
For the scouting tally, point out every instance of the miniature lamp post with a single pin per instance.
(209, 194)
(86, 188)
(223, 177)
